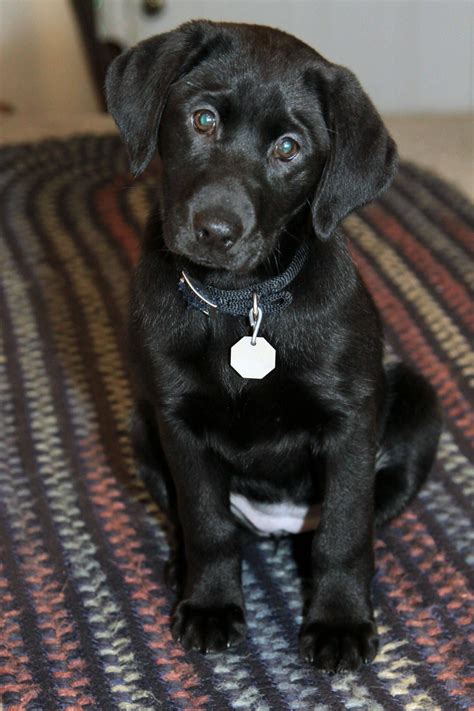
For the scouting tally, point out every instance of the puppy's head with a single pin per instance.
(253, 127)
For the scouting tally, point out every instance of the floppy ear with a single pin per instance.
(138, 82)
(363, 156)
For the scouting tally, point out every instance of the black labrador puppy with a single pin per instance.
(257, 349)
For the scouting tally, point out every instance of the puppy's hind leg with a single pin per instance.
(409, 440)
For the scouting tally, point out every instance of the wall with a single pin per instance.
(411, 55)
(42, 67)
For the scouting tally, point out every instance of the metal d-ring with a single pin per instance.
(188, 281)
(255, 318)
(255, 305)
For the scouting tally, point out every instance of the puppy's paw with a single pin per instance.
(208, 629)
(339, 648)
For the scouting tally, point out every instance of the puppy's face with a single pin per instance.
(253, 127)
(241, 152)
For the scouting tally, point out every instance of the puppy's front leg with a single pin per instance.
(210, 617)
(339, 632)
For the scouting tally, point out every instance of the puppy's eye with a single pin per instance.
(286, 148)
(204, 121)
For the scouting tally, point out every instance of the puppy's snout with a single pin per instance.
(217, 228)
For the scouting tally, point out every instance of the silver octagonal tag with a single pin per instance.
(252, 361)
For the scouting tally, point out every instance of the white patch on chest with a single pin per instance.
(274, 519)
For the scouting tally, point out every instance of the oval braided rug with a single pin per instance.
(84, 620)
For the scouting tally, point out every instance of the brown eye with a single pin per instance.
(286, 148)
(204, 121)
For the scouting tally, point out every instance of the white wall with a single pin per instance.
(411, 55)
(42, 65)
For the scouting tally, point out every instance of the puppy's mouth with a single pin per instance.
(225, 262)
(241, 258)
(237, 265)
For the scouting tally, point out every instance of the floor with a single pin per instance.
(443, 143)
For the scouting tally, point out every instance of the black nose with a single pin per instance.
(217, 228)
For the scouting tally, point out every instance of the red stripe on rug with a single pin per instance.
(456, 229)
(416, 346)
(109, 211)
(403, 590)
(452, 589)
(446, 288)
(15, 677)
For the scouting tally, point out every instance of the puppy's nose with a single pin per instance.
(217, 228)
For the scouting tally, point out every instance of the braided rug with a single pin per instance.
(84, 620)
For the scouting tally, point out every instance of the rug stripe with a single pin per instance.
(446, 333)
(451, 297)
(403, 294)
(413, 345)
(448, 200)
(114, 220)
(419, 217)
(414, 589)
(38, 663)
(403, 607)
(16, 684)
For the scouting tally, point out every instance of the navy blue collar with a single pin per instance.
(271, 293)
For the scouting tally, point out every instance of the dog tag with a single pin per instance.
(252, 361)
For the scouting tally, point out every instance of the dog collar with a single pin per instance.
(271, 293)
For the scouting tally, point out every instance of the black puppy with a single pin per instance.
(265, 146)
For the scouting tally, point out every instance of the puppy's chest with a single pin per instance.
(267, 438)
(267, 431)
(250, 413)
(254, 414)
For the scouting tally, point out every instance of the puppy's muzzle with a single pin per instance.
(217, 229)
